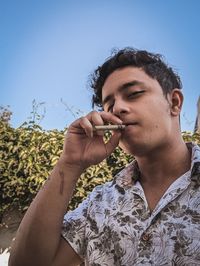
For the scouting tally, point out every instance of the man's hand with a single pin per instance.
(83, 146)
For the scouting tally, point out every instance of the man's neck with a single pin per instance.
(161, 169)
(166, 165)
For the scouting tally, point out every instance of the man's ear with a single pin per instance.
(176, 102)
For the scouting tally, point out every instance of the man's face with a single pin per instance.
(138, 100)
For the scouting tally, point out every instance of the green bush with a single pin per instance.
(27, 156)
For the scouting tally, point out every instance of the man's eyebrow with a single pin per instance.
(123, 87)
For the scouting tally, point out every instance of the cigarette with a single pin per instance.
(109, 127)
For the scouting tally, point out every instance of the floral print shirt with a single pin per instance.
(114, 226)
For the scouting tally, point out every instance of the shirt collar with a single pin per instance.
(131, 173)
(128, 176)
(195, 161)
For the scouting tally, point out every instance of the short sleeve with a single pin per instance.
(73, 229)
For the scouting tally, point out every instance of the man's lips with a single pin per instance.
(130, 124)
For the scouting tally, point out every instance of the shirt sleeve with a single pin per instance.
(73, 229)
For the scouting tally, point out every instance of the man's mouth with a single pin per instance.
(130, 124)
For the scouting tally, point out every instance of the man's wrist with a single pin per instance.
(73, 168)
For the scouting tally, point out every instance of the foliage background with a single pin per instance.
(28, 154)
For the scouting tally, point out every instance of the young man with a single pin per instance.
(149, 214)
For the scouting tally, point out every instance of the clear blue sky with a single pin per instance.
(48, 49)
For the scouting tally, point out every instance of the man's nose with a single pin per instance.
(120, 108)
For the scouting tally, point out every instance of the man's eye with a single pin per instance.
(110, 108)
(135, 93)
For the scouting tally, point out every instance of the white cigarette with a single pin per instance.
(108, 127)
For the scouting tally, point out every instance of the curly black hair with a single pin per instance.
(152, 64)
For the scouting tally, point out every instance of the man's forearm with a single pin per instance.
(39, 233)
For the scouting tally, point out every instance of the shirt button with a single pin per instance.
(145, 237)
